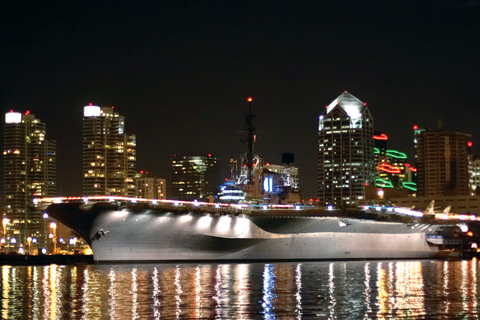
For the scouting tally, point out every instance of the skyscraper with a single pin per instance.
(109, 154)
(346, 163)
(195, 177)
(29, 172)
(442, 163)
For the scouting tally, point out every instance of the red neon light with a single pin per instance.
(413, 169)
(415, 127)
(383, 136)
(209, 155)
(141, 171)
(469, 143)
(407, 165)
(27, 113)
(311, 199)
(388, 168)
(366, 183)
(249, 99)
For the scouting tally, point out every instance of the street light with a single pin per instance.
(53, 226)
(5, 222)
(29, 240)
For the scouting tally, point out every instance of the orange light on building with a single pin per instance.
(249, 99)
(470, 233)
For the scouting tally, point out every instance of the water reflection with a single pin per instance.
(360, 290)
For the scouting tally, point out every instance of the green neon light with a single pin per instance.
(383, 183)
(376, 150)
(410, 185)
(396, 154)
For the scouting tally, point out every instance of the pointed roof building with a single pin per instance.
(346, 163)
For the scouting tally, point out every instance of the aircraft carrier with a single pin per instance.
(119, 231)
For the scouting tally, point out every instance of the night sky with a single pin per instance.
(180, 72)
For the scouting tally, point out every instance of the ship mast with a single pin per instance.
(250, 141)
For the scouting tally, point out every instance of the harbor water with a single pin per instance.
(401, 289)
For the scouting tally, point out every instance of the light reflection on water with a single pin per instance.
(328, 290)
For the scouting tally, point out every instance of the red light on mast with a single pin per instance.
(27, 113)
(364, 103)
(415, 127)
(469, 143)
(90, 104)
(249, 99)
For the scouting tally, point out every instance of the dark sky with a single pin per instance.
(180, 72)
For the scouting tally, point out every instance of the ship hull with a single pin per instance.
(156, 235)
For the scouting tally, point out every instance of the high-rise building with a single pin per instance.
(474, 174)
(149, 186)
(442, 163)
(109, 154)
(195, 177)
(29, 172)
(346, 163)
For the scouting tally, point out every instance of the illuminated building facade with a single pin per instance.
(195, 177)
(442, 163)
(346, 163)
(150, 187)
(474, 174)
(109, 154)
(29, 172)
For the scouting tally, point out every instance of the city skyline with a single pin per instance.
(181, 72)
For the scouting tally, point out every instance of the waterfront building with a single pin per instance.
(149, 186)
(195, 177)
(346, 163)
(30, 171)
(109, 154)
(442, 163)
(474, 175)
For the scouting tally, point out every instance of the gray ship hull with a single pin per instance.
(157, 235)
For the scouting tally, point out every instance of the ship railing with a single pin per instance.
(175, 205)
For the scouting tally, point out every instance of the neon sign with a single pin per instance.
(383, 183)
(410, 185)
(383, 136)
(396, 154)
(386, 167)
